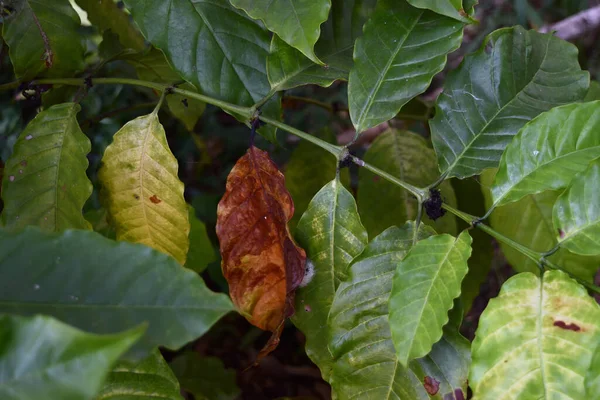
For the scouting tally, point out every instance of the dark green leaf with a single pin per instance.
(99, 220)
(201, 252)
(383, 204)
(402, 49)
(331, 233)
(45, 182)
(205, 377)
(42, 358)
(43, 38)
(104, 286)
(425, 284)
(148, 379)
(593, 92)
(297, 22)
(515, 76)
(450, 8)
(288, 68)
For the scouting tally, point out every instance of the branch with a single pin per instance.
(576, 25)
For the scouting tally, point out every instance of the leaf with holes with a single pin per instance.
(148, 379)
(477, 114)
(103, 286)
(425, 285)
(260, 260)
(288, 68)
(576, 214)
(143, 194)
(515, 348)
(296, 22)
(401, 50)
(45, 182)
(43, 358)
(332, 234)
(382, 204)
(548, 152)
(43, 38)
(365, 365)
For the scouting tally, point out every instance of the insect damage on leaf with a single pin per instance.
(260, 260)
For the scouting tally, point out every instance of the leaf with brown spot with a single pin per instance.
(154, 198)
(260, 260)
(431, 385)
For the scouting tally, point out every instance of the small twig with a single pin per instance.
(577, 25)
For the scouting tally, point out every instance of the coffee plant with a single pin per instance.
(101, 260)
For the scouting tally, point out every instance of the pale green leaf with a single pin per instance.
(425, 284)
(401, 50)
(45, 182)
(288, 68)
(297, 22)
(576, 214)
(365, 365)
(205, 377)
(534, 229)
(592, 378)
(103, 286)
(42, 358)
(331, 233)
(515, 76)
(381, 203)
(148, 379)
(43, 38)
(201, 251)
(143, 194)
(450, 8)
(548, 152)
(535, 340)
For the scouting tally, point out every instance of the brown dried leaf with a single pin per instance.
(261, 262)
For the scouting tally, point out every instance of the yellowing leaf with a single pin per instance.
(144, 196)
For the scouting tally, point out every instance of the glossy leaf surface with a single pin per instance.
(576, 214)
(144, 195)
(260, 260)
(42, 358)
(103, 286)
(535, 339)
(288, 68)
(425, 284)
(296, 22)
(365, 364)
(45, 182)
(548, 152)
(43, 38)
(477, 114)
(148, 379)
(205, 377)
(332, 234)
(382, 204)
(401, 50)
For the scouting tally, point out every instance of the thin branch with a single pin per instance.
(577, 25)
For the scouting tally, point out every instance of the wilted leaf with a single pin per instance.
(205, 377)
(260, 260)
(144, 196)
(45, 182)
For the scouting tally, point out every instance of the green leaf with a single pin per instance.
(106, 15)
(478, 112)
(593, 92)
(401, 50)
(534, 229)
(43, 38)
(450, 8)
(297, 22)
(103, 286)
(426, 282)
(592, 378)
(201, 251)
(307, 171)
(576, 214)
(205, 377)
(42, 358)
(288, 68)
(408, 157)
(365, 365)
(148, 379)
(143, 194)
(45, 181)
(548, 152)
(99, 220)
(533, 341)
(331, 233)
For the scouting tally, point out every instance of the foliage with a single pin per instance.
(374, 240)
